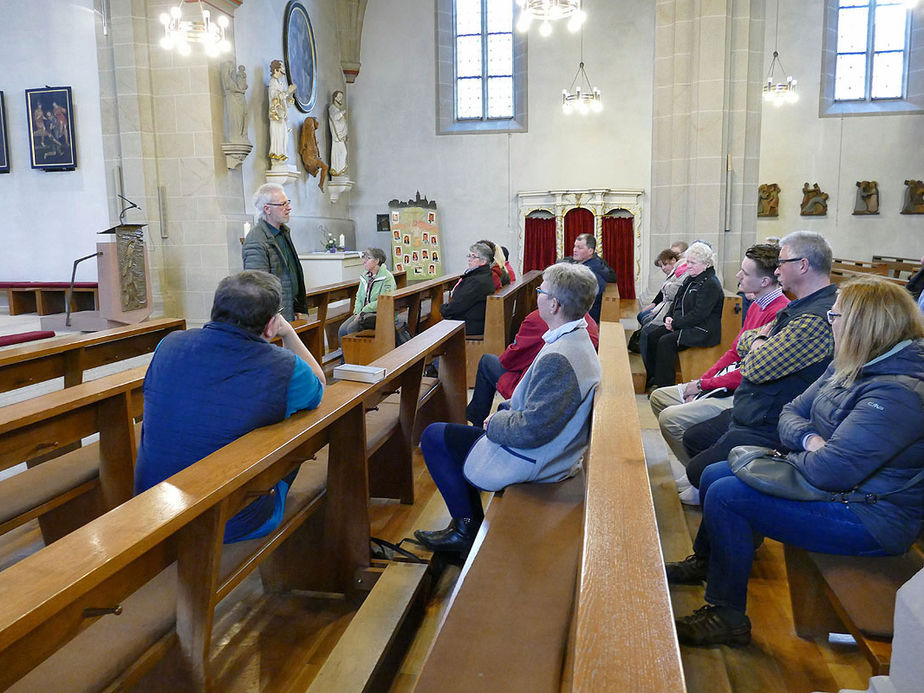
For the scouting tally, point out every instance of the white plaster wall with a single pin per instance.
(50, 219)
(798, 146)
(258, 41)
(475, 177)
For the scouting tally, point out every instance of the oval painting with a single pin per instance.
(300, 60)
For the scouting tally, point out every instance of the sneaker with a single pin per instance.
(707, 626)
(690, 496)
(691, 570)
(682, 483)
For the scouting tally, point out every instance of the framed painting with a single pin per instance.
(50, 113)
(4, 140)
(300, 57)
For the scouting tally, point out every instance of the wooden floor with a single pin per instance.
(276, 643)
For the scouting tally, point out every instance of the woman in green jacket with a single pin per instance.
(376, 280)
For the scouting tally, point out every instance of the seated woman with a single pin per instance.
(693, 320)
(376, 280)
(498, 271)
(468, 298)
(540, 434)
(655, 311)
(846, 433)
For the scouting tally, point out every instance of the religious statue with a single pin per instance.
(308, 148)
(234, 85)
(814, 201)
(339, 134)
(867, 197)
(768, 200)
(914, 197)
(280, 96)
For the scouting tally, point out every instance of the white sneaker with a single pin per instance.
(682, 483)
(690, 496)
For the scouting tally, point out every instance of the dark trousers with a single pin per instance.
(489, 372)
(445, 447)
(659, 354)
(710, 441)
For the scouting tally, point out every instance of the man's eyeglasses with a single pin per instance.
(540, 291)
(832, 316)
(792, 259)
(279, 204)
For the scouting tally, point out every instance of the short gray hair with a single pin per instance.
(376, 254)
(574, 286)
(482, 251)
(264, 196)
(700, 252)
(812, 246)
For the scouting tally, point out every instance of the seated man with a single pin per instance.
(502, 373)
(584, 252)
(468, 298)
(680, 406)
(540, 434)
(207, 387)
(778, 361)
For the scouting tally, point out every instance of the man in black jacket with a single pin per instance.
(584, 252)
(468, 299)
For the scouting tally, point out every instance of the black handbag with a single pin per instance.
(771, 472)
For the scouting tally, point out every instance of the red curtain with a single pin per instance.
(577, 221)
(618, 251)
(538, 243)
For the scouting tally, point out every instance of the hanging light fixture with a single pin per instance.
(779, 92)
(548, 11)
(581, 97)
(179, 33)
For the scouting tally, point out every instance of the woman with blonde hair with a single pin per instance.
(857, 430)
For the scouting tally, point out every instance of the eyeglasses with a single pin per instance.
(279, 204)
(540, 291)
(832, 316)
(472, 256)
(792, 259)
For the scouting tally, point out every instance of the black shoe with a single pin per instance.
(707, 626)
(458, 540)
(431, 372)
(692, 570)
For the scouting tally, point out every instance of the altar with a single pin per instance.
(329, 268)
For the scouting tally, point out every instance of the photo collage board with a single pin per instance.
(415, 242)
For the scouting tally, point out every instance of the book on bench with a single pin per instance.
(363, 374)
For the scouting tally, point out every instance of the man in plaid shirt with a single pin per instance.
(779, 360)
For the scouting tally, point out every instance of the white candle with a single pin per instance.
(342, 240)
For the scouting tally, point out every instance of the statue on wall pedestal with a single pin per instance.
(867, 198)
(768, 200)
(914, 197)
(308, 149)
(279, 92)
(814, 201)
(339, 134)
(236, 146)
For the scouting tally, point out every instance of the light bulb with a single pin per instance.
(598, 106)
(223, 22)
(577, 19)
(164, 18)
(523, 22)
(183, 48)
(176, 12)
(545, 28)
(224, 45)
(166, 43)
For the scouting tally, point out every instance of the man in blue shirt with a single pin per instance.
(207, 387)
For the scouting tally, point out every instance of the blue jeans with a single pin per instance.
(733, 513)
(445, 447)
(489, 372)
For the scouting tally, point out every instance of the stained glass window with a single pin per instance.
(484, 59)
(872, 50)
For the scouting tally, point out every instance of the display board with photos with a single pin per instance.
(415, 238)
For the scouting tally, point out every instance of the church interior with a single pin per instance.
(678, 136)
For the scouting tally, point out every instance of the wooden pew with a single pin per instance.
(830, 594)
(861, 266)
(70, 356)
(896, 265)
(320, 299)
(367, 345)
(560, 594)
(697, 360)
(73, 488)
(504, 312)
(611, 306)
(169, 538)
(839, 276)
(46, 298)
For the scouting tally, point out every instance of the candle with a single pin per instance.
(342, 240)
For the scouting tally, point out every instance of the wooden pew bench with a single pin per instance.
(46, 298)
(565, 587)
(365, 346)
(162, 550)
(860, 266)
(896, 266)
(840, 275)
(327, 304)
(71, 355)
(504, 311)
(832, 593)
(695, 361)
